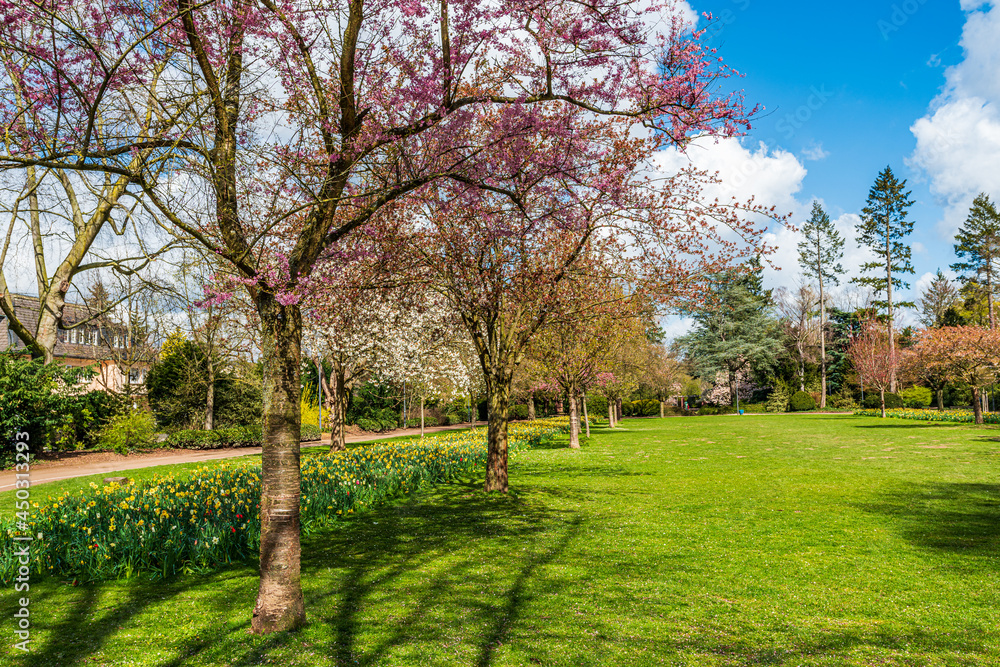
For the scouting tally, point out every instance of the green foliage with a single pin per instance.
(778, 400)
(177, 390)
(977, 244)
(40, 399)
(801, 401)
(822, 248)
(892, 401)
(597, 405)
(916, 397)
(518, 412)
(753, 408)
(641, 408)
(414, 422)
(736, 331)
(232, 436)
(882, 228)
(129, 431)
(842, 400)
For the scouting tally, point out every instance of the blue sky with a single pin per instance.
(851, 87)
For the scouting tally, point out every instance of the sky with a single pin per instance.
(847, 89)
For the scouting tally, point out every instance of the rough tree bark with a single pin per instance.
(586, 417)
(280, 604)
(574, 420)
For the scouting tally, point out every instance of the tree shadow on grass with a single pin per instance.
(429, 534)
(961, 518)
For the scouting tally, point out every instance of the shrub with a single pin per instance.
(753, 408)
(801, 401)
(597, 405)
(842, 400)
(132, 430)
(892, 401)
(518, 412)
(234, 436)
(310, 433)
(916, 397)
(414, 422)
(778, 400)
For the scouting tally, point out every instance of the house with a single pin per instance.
(119, 357)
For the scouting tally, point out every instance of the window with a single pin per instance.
(136, 376)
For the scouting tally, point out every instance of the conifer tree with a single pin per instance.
(882, 228)
(935, 301)
(820, 253)
(977, 244)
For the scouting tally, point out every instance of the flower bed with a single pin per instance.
(954, 416)
(211, 516)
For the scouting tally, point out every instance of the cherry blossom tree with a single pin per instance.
(869, 352)
(968, 354)
(274, 130)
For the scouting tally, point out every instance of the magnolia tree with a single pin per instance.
(269, 132)
(966, 354)
(722, 391)
(870, 353)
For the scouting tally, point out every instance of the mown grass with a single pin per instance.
(758, 540)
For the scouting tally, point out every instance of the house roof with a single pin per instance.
(26, 309)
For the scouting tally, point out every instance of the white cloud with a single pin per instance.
(815, 152)
(958, 140)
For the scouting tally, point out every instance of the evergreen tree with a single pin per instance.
(882, 228)
(820, 253)
(977, 244)
(735, 332)
(935, 301)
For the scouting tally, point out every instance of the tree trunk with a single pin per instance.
(822, 343)
(661, 410)
(732, 388)
(337, 400)
(611, 414)
(421, 415)
(586, 417)
(940, 398)
(888, 294)
(279, 599)
(498, 404)
(977, 405)
(574, 421)
(881, 393)
(618, 410)
(531, 406)
(559, 407)
(989, 293)
(210, 398)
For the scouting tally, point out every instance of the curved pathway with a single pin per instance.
(67, 468)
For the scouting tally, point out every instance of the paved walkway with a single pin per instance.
(52, 471)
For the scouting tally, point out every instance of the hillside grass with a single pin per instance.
(759, 540)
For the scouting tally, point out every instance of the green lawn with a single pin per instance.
(757, 540)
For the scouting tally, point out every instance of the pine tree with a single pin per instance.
(935, 301)
(820, 253)
(737, 332)
(978, 244)
(882, 228)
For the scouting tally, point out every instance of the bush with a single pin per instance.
(842, 400)
(234, 436)
(801, 401)
(892, 401)
(414, 422)
(133, 430)
(377, 425)
(916, 397)
(518, 412)
(778, 400)
(753, 408)
(310, 433)
(597, 406)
